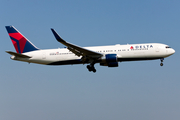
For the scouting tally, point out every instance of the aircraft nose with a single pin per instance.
(172, 51)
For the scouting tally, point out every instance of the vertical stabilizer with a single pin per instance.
(21, 43)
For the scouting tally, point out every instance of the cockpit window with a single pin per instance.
(168, 47)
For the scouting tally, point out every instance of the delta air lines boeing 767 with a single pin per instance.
(73, 54)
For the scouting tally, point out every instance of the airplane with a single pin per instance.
(104, 55)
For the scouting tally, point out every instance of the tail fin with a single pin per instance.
(21, 43)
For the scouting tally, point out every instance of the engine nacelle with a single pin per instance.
(109, 60)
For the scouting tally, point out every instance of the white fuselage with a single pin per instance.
(129, 52)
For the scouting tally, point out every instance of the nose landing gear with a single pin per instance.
(162, 59)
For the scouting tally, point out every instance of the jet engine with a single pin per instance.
(109, 60)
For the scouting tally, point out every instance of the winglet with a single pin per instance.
(58, 38)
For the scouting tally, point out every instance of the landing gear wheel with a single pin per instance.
(162, 59)
(94, 70)
(161, 64)
(91, 68)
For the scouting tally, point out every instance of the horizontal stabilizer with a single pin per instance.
(18, 54)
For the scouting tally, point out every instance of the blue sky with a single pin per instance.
(134, 90)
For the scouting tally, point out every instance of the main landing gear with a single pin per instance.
(91, 68)
(162, 59)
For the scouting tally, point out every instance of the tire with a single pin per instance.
(161, 64)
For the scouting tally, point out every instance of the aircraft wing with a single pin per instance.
(79, 51)
(18, 54)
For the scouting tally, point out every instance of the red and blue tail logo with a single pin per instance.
(20, 43)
